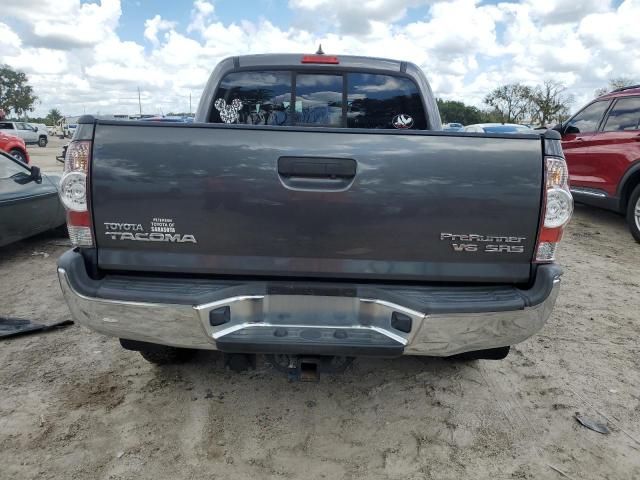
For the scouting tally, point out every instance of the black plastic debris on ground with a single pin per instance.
(592, 424)
(12, 327)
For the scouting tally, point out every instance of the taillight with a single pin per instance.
(557, 205)
(73, 193)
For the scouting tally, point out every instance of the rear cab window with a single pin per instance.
(384, 101)
(318, 100)
(253, 98)
(6, 126)
(339, 99)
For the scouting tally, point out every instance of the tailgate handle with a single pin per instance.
(317, 167)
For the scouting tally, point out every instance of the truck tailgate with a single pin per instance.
(214, 199)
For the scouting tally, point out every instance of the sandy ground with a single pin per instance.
(74, 405)
(45, 157)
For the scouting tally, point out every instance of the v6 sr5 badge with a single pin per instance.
(473, 242)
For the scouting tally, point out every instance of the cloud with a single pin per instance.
(552, 12)
(155, 25)
(77, 61)
(201, 13)
(10, 42)
(349, 17)
(63, 24)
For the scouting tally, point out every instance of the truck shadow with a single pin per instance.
(214, 363)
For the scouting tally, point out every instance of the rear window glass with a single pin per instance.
(383, 101)
(625, 115)
(254, 98)
(319, 100)
(6, 126)
(341, 99)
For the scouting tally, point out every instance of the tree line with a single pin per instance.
(512, 103)
(541, 105)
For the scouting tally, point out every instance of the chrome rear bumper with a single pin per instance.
(310, 324)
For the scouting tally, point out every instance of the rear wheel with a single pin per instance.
(42, 142)
(18, 155)
(633, 213)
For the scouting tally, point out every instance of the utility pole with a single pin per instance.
(139, 102)
(189, 103)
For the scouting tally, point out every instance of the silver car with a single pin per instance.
(497, 128)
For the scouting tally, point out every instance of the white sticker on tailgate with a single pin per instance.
(160, 230)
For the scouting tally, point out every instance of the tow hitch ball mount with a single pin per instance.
(308, 368)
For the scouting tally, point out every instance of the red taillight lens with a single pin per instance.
(557, 207)
(79, 227)
(323, 59)
(73, 193)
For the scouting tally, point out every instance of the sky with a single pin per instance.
(92, 56)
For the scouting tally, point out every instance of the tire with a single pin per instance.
(18, 155)
(489, 354)
(162, 355)
(42, 142)
(633, 213)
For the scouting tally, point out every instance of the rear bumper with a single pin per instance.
(309, 318)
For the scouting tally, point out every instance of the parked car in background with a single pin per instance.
(14, 146)
(29, 202)
(43, 133)
(497, 128)
(452, 127)
(602, 146)
(69, 130)
(168, 118)
(20, 129)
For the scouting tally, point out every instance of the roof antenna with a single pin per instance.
(320, 52)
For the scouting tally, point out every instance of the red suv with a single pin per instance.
(14, 146)
(602, 146)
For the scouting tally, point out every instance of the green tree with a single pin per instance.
(615, 83)
(16, 95)
(512, 103)
(455, 111)
(549, 102)
(53, 116)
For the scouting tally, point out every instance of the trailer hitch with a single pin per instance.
(303, 368)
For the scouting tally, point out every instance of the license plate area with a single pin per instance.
(311, 310)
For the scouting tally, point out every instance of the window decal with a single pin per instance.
(402, 121)
(228, 113)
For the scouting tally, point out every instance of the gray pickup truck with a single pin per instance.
(315, 210)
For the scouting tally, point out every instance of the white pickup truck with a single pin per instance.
(29, 133)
